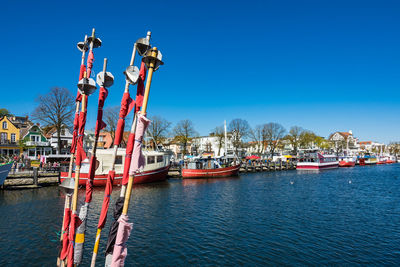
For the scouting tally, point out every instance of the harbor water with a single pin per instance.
(334, 217)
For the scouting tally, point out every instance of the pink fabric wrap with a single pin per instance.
(75, 222)
(64, 249)
(120, 250)
(138, 160)
(89, 64)
(128, 158)
(106, 200)
(126, 106)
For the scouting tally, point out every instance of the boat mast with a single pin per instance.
(226, 140)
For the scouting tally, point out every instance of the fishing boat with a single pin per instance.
(347, 161)
(155, 170)
(370, 159)
(4, 170)
(314, 160)
(209, 167)
(381, 159)
(391, 159)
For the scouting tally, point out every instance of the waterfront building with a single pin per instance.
(34, 142)
(105, 140)
(370, 146)
(177, 148)
(340, 138)
(66, 140)
(9, 136)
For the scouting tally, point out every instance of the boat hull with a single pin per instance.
(347, 163)
(213, 173)
(4, 170)
(100, 180)
(309, 166)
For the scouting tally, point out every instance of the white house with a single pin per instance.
(66, 140)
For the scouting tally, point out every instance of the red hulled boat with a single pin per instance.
(212, 172)
(347, 161)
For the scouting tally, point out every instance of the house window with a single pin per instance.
(118, 160)
(160, 158)
(3, 137)
(12, 138)
(150, 159)
(4, 125)
(35, 138)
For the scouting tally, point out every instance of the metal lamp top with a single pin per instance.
(87, 86)
(106, 80)
(96, 41)
(148, 58)
(68, 185)
(142, 45)
(82, 46)
(132, 74)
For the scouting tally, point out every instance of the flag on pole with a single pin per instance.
(131, 139)
(128, 158)
(137, 164)
(80, 232)
(103, 93)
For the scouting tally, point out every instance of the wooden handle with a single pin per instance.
(154, 53)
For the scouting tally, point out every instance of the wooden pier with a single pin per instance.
(31, 179)
(267, 166)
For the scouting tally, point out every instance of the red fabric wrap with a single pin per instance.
(89, 64)
(128, 158)
(64, 249)
(103, 93)
(126, 105)
(106, 200)
(76, 119)
(100, 123)
(75, 222)
(75, 133)
(80, 153)
(89, 181)
(140, 87)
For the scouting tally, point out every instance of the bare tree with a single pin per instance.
(220, 134)
(294, 137)
(274, 132)
(55, 109)
(111, 116)
(158, 129)
(257, 136)
(184, 131)
(239, 129)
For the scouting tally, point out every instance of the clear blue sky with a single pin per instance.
(322, 65)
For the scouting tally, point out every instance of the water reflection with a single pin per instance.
(276, 218)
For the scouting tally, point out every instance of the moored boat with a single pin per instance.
(370, 159)
(4, 170)
(209, 167)
(347, 161)
(391, 159)
(317, 161)
(155, 170)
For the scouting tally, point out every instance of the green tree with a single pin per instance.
(4, 112)
(294, 137)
